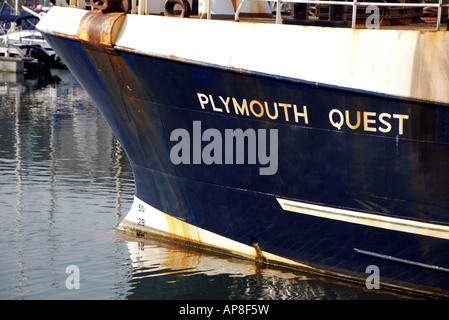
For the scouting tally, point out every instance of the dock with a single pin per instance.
(13, 64)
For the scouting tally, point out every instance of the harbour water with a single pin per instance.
(66, 183)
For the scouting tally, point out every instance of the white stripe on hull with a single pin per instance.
(367, 219)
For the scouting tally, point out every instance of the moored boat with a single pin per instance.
(22, 47)
(313, 145)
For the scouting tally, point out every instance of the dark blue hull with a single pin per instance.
(393, 162)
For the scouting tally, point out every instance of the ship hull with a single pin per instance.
(351, 183)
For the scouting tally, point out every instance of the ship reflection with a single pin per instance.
(165, 270)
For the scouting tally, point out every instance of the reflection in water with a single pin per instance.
(62, 173)
(66, 183)
(165, 270)
(193, 274)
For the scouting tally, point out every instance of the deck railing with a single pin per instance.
(355, 4)
(141, 7)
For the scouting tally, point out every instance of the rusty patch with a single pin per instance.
(98, 28)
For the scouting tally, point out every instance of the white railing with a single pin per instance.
(142, 6)
(354, 5)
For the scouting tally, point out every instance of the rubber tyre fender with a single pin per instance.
(170, 6)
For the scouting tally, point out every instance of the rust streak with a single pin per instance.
(185, 231)
(98, 33)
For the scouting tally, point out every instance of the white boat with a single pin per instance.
(21, 39)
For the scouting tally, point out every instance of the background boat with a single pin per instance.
(21, 45)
